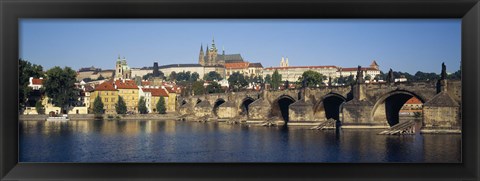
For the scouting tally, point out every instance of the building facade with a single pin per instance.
(108, 94)
(129, 91)
(293, 73)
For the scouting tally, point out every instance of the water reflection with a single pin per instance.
(172, 141)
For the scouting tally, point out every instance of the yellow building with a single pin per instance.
(155, 94)
(128, 89)
(108, 94)
(172, 98)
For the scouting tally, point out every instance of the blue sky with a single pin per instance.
(403, 45)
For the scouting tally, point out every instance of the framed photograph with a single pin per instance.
(159, 90)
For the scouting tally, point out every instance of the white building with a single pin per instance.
(292, 73)
(35, 83)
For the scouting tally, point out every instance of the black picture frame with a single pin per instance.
(11, 11)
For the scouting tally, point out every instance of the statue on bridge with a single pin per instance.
(390, 77)
(287, 84)
(443, 75)
(304, 83)
(359, 75)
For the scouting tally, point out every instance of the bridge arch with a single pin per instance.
(329, 106)
(217, 104)
(280, 107)
(244, 105)
(387, 106)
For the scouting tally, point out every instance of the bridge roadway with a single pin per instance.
(375, 105)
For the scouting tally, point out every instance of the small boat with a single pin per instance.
(58, 118)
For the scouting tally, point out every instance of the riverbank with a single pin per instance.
(168, 116)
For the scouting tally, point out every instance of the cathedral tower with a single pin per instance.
(201, 57)
(212, 54)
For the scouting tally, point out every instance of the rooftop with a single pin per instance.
(37, 81)
(126, 84)
(106, 86)
(296, 67)
(156, 91)
(179, 65)
(238, 65)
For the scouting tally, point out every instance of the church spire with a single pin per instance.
(213, 42)
(201, 47)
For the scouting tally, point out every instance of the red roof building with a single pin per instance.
(156, 92)
(106, 86)
(126, 84)
(237, 65)
(37, 81)
(413, 100)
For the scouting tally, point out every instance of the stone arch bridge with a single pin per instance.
(361, 105)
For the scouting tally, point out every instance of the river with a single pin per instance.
(174, 141)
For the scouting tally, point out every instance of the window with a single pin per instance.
(106, 99)
(113, 99)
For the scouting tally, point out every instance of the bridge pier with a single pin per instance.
(301, 113)
(227, 110)
(259, 110)
(203, 109)
(357, 114)
(441, 115)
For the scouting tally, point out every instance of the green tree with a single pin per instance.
(237, 81)
(147, 76)
(121, 106)
(214, 87)
(27, 70)
(172, 76)
(194, 77)
(161, 106)
(268, 79)
(60, 86)
(346, 80)
(312, 78)
(183, 76)
(39, 107)
(98, 106)
(142, 106)
(276, 80)
(152, 75)
(212, 76)
(423, 76)
(198, 88)
(456, 75)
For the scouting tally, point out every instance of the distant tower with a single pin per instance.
(282, 62)
(212, 54)
(201, 57)
(286, 62)
(207, 56)
(122, 71)
(374, 65)
(118, 68)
